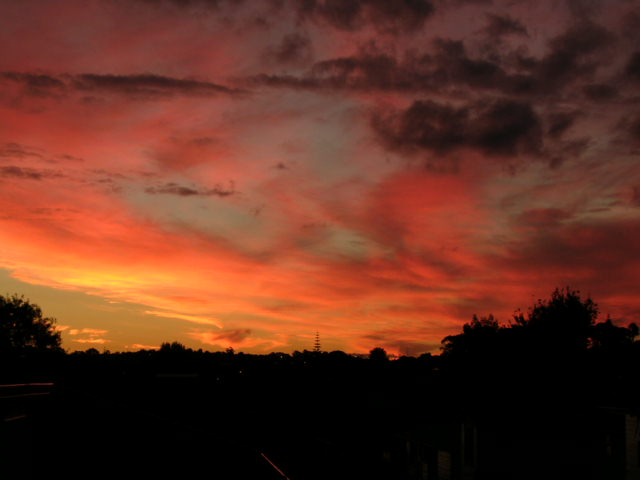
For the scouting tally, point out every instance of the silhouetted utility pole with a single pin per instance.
(316, 344)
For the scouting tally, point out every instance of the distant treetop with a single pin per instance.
(23, 328)
(564, 324)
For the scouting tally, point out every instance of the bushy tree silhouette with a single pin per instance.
(378, 355)
(607, 337)
(563, 322)
(476, 338)
(23, 327)
(173, 347)
(563, 325)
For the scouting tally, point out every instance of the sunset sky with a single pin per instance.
(246, 173)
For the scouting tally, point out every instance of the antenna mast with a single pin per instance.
(316, 344)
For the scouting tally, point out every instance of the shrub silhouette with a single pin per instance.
(23, 328)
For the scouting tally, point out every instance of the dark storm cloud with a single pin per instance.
(585, 9)
(567, 150)
(35, 84)
(202, 141)
(633, 66)
(407, 15)
(580, 39)
(147, 84)
(543, 218)
(452, 64)
(501, 25)
(627, 131)
(599, 92)
(499, 127)
(33, 80)
(366, 71)
(234, 336)
(140, 85)
(387, 341)
(285, 81)
(15, 150)
(293, 48)
(559, 123)
(172, 188)
(358, 72)
(424, 125)
(571, 57)
(634, 129)
(109, 174)
(411, 348)
(214, 4)
(69, 158)
(340, 14)
(589, 248)
(449, 66)
(458, 3)
(12, 171)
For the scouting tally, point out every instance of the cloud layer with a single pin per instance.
(249, 173)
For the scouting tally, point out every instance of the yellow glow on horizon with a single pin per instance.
(202, 320)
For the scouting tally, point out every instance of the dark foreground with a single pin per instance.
(317, 416)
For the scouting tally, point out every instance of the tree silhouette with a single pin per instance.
(378, 355)
(564, 322)
(606, 336)
(24, 329)
(172, 347)
(477, 337)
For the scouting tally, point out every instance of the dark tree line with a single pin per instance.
(557, 347)
(533, 389)
(565, 325)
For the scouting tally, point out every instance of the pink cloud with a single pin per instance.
(100, 341)
(141, 346)
(239, 339)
